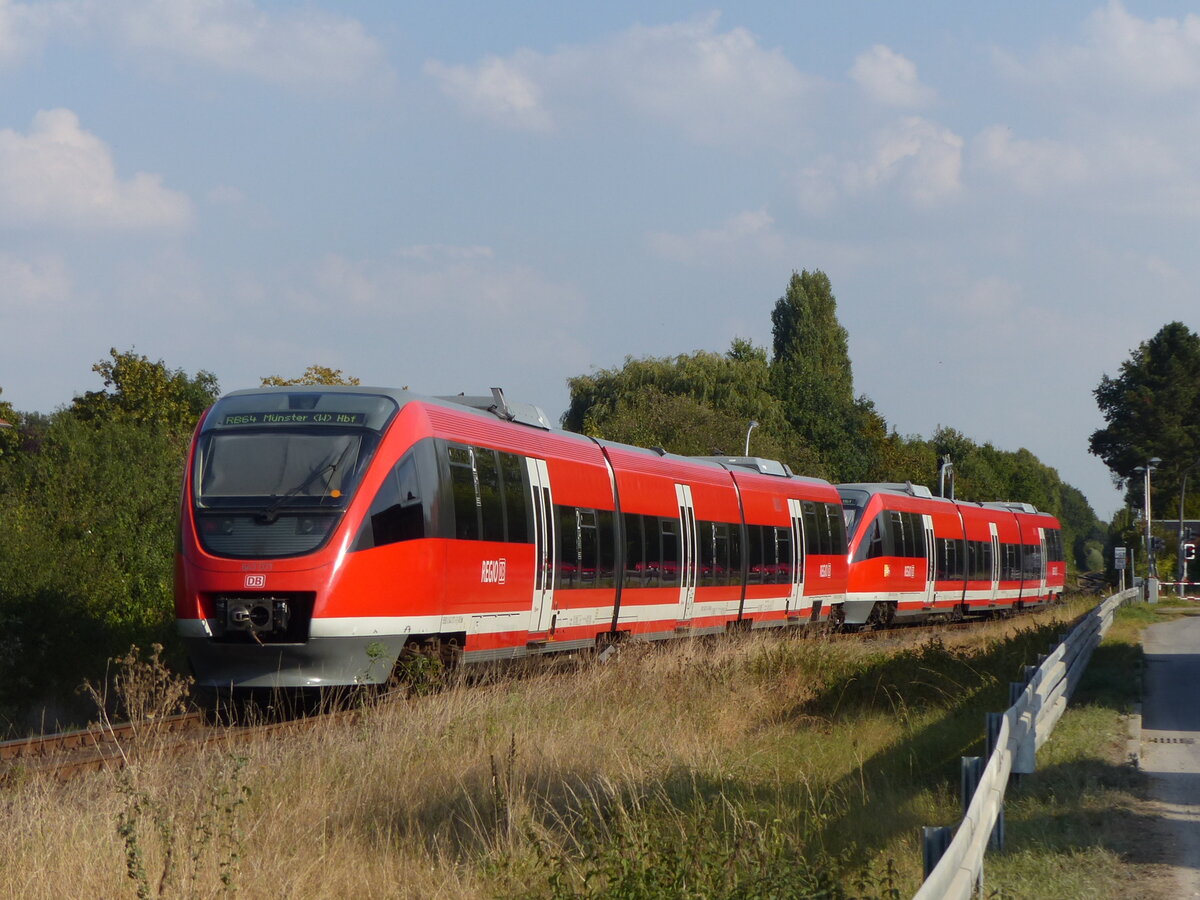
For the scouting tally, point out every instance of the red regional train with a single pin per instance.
(913, 555)
(325, 531)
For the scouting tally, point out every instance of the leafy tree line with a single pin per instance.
(89, 499)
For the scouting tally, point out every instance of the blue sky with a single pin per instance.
(457, 195)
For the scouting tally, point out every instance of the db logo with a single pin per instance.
(256, 581)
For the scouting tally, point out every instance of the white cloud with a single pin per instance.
(753, 228)
(449, 313)
(25, 27)
(1121, 52)
(26, 283)
(297, 47)
(717, 87)
(496, 89)
(886, 77)
(920, 159)
(1034, 166)
(59, 175)
(302, 46)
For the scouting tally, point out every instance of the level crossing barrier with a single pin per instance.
(954, 857)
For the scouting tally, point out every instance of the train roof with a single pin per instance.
(528, 414)
(1012, 506)
(905, 489)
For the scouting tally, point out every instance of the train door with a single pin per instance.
(689, 545)
(994, 592)
(543, 545)
(795, 600)
(1043, 588)
(930, 562)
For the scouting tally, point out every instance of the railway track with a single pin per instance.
(111, 747)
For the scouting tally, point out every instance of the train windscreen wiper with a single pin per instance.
(271, 513)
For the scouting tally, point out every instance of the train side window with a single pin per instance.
(872, 545)
(1032, 561)
(465, 493)
(734, 572)
(896, 525)
(491, 500)
(605, 549)
(637, 565)
(589, 548)
(837, 529)
(397, 513)
(783, 556)
(707, 537)
(670, 558)
(755, 565)
(566, 569)
(914, 536)
(515, 483)
(812, 527)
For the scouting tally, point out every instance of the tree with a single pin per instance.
(314, 374)
(812, 377)
(10, 423)
(146, 393)
(1153, 410)
(695, 404)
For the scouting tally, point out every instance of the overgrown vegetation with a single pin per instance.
(88, 500)
(768, 765)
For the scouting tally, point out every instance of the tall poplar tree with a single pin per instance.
(812, 377)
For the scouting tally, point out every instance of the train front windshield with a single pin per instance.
(265, 469)
(274, 471)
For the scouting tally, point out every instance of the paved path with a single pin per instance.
(1171, 741)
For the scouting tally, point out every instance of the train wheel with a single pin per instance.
(836, 623)
(883, 613)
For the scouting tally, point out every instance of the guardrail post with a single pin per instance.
(992, 731)
(970, 772)
(936, 840)
(1015, 690)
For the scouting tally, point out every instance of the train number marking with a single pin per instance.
(910, 571)
(494, 571)
(826, 570)
(256, 581)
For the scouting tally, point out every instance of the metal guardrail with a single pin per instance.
(954, 866)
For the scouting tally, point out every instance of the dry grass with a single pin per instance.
(721, 765)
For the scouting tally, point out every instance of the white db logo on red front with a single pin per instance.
(256, 581)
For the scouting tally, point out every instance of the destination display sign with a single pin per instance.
(295, 417)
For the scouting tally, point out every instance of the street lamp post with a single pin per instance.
(753, 425)
(1151, 561)
(1180, 566)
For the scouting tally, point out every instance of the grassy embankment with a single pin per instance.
(759, 766)
(1079, 826)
